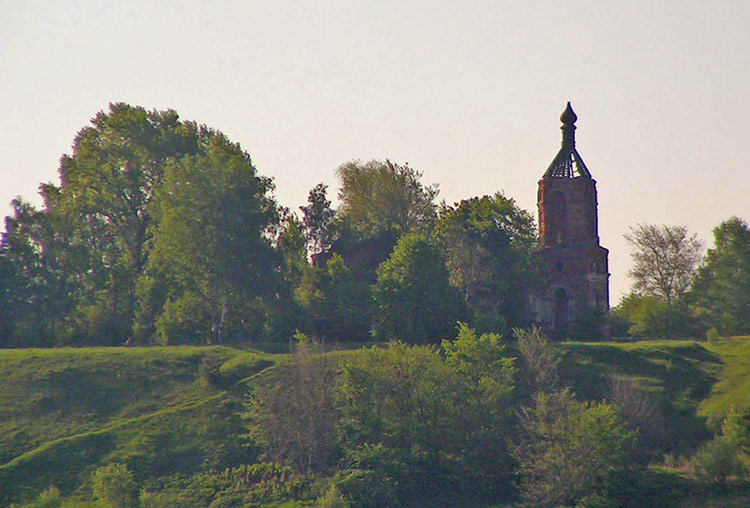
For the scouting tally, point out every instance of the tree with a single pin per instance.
(92, 237)
(38, 272)
(114, 486)
(665, 260)
(650, 316)
(317, 218)
(382, 196)
(569, 450)
(722, 287)
(413, 297)
(336, 304)
(414, 424)
(212, 244)
(487, 244)
(293, 415)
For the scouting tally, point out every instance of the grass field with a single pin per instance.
(171, 410)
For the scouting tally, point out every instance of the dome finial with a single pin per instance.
(568, 116)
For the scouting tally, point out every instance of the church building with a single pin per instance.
(574, 267)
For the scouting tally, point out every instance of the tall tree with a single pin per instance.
(665, 259)
(413, 297)
(317, 218)
(105, 202)
(383, 196)
(212, 243)
(487, 244)
(337, 306)
(722, 286)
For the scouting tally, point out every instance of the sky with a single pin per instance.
(469, 93)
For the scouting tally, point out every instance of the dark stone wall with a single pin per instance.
(574, 267)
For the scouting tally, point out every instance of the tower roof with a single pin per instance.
(568, 162)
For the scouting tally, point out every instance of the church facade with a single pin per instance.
(573, 265)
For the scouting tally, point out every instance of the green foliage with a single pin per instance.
(665, 259)
(413, 297)
(114, 486)
(722, 288)
(259, 484)
(728, 454)
(318, 219)
(415, 425)
(333, 498)
(337, 305)
(211, 245)
(569, 450)
(652, 317)
(487, 244)
(49, 498)
(382, 196)
(587, 323)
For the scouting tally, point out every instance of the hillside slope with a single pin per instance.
(162, 410)
(173, 410)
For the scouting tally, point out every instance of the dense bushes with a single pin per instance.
(401, 425)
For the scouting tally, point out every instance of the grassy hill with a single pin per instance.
(174, 410)
(162, 410)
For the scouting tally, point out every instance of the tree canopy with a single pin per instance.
(665, 260)
(487, 243)
(722, 286)
(383, 196)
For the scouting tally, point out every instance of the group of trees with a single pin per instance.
(471, 419)
(679, 292)
(161, 230)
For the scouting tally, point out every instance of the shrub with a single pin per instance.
(712, 335)
(49, 498)
(115, 487)
(571, 450)
(716, 461)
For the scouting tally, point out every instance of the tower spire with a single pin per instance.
(568, 162)
(568, 128)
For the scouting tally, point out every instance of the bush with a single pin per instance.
(115, 487)
(716, 461)
(49, 498)
(570, 450)
(712, 335)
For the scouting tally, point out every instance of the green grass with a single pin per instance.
(65, 412)
(174, 410)
(733, 386)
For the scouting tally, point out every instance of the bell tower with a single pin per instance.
(575, 272)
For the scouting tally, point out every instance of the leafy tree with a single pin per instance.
(649, 316)
(107, 189)
(486, 379)
(114, 486)
(317, 218)
(722, 287)
(413, 297)
(383, 196)
(337, 305)
(487, 244)
(569, 450)
(36, 281)
(414, 425)
(665, 260)
(211, 243)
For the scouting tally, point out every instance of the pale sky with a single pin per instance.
(467, 92)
